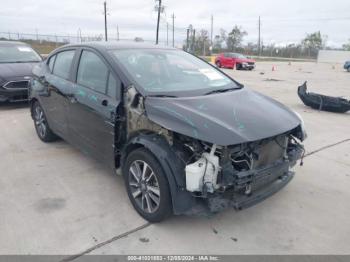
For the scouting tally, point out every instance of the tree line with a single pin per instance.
(199, 43)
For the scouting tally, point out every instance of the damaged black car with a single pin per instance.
(187, 138)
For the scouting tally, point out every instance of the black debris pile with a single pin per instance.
(322, 102)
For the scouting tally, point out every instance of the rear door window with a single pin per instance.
(63, 63)
(92, 72)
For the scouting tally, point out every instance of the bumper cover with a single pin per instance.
(247, 66)
(253, 187)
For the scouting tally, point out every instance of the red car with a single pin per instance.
(232, 60)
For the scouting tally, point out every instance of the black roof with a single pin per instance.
(103, 45)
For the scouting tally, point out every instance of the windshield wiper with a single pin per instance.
(171, 96)
(223, 90)
(17, 62)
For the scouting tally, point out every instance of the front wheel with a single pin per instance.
(348, 69)
(147, 185)
(218, 64)
(41, 126)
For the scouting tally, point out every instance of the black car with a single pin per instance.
(186, 137)
(16, 63)
(347, 66)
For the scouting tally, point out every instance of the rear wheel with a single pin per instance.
(147, 185)
(41, 126)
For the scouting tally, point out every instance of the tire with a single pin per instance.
(348, 69)
(218, 64)
(150, 195)
(41, 126)
(238, 66)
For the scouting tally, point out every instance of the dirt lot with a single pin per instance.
(55, 200)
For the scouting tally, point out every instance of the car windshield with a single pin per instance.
(240, 56)
(18, 54)
(171, 72)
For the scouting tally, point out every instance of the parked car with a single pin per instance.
(16, 63)
(185, 136)
(347, 66)
(234, 60)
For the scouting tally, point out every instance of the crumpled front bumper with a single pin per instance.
(251, 187)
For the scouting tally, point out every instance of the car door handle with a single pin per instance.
(104, 102)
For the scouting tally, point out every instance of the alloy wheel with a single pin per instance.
(144, 186)
(40, 121)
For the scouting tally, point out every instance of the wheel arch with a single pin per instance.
(172, 166)
(31, 103)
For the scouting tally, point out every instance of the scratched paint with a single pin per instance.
(181, 117)
(202, 107)
(93, 98)
(238, 123)
(81, 93)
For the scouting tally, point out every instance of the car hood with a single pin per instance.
(8, 71)
(224, 119)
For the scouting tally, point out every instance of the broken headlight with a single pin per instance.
(302, 126)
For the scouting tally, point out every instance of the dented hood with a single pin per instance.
(225, 119)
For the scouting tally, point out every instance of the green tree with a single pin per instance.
(202, 43)
(347, 46)
(219, 40)
(313, 42)
(235, 38)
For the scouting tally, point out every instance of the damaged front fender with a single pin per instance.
(172, 165)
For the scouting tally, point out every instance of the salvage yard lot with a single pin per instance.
(55, 200)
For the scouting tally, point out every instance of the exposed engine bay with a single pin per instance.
(221, 176)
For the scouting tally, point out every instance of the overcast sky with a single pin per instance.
(282, 21)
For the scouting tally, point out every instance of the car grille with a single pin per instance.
(17, 84)
(250, 63)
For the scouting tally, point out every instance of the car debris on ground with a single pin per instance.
(322, 102)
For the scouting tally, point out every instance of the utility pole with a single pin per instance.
(159, 9)
(259, 40)
(117, 32)
(188, 34)
(204, 46)
(211, 32)
(193, 40)
(167, 34)
(79, 35)
(173, 17)
(105, 13)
